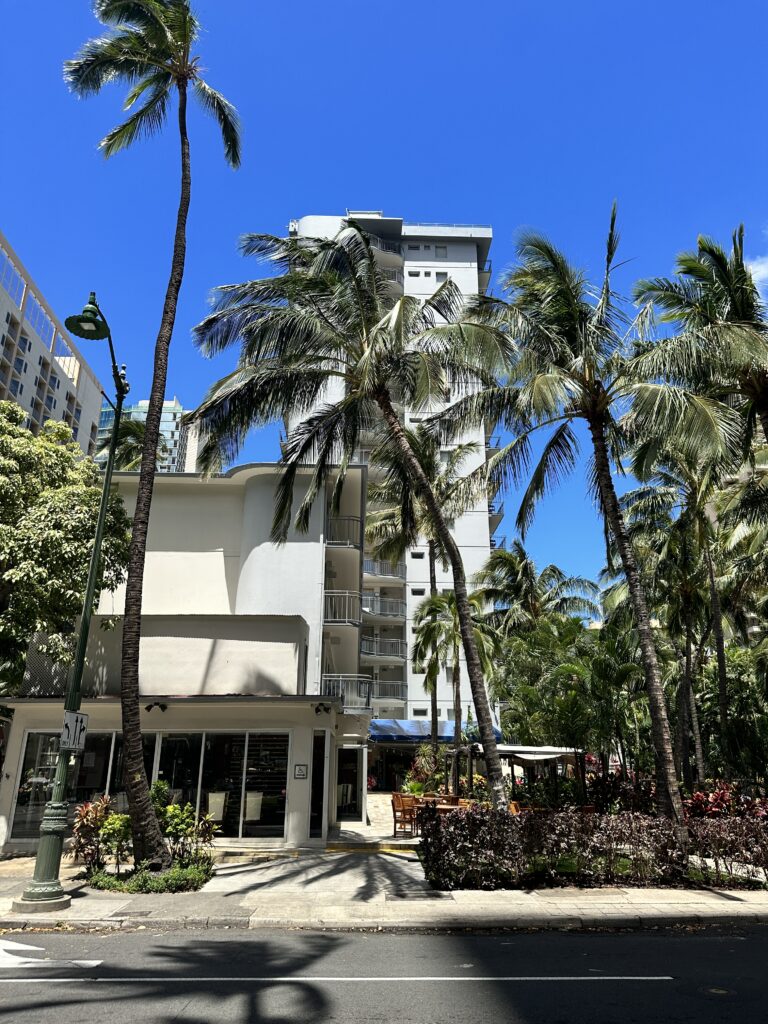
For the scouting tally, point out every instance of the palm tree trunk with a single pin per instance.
(456, 681)
(717, 629)
(433, 694)
(668, 790)
(148, 842)
(698, 749)
(451, 549)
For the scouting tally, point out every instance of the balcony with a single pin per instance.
(393, 277)
(493, 445)
(389, 607)
(385, 246)
(391, 649)
(378, 567)
(353, 691)
(342, 606)
(499, 544)
(346, 531)
(495, 514)
(389, 689)
(361, 456)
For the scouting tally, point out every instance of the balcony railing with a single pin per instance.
(496, 508)
(383, 648)
(344, 530)
(342, 606)
(380, 567)
(354, 691)
(384, 245)
(376, 605)
(499, 544)
(395, 276)
(493, 444)
(362, 456)
(389, 689)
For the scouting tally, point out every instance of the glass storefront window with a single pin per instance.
(266, 781)
(180, 766)
(222, 782)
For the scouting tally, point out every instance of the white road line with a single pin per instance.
(309, 978)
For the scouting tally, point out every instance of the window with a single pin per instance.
(427, 273)
(427, 247)
(417, 554)
(419, 712)
(441, 252)
(441, 276)
(413, 247)
(418, 591)
(414, 273)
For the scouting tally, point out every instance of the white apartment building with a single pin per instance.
(416, 258)
(40, 366)
(179, 456)
(253, 705)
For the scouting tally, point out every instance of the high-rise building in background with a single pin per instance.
(41, 368)
(415, 259)
(181, 442)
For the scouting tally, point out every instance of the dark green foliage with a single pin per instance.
(179, 878)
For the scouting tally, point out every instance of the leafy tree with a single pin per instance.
(521, 595)
(49, 502)
(149, 48)
(438, 643)
(397, 517)
(326, 345)
(131, 435)
(575, 365)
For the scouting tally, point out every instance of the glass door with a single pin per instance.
(221, 790)
(266, 784)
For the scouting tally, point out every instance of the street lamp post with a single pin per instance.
(45, 891)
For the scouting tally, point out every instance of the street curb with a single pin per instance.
(467, 922)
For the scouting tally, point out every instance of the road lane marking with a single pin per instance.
(11, 961)
(333, 979)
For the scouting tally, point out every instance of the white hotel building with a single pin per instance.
(41, 368)
(416, 258)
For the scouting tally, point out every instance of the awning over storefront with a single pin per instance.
(417, 730)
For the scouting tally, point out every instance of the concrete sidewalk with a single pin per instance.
(376, 890)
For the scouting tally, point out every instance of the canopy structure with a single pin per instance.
(417, 730)
(536, 755)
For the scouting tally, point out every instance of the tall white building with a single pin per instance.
(40, 366)
(416, 258)
(173, 432)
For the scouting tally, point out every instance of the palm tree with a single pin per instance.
(520, 595)
(438, 643)
(131, 435)
(149, 49)
(398, 519)
(327, 346)
(722, 344)
(575, 366)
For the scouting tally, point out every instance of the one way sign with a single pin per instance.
(73, 731)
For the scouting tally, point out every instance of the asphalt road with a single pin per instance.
(274, 977)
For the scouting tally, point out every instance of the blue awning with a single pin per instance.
(418, 730)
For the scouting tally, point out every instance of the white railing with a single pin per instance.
(383, 605)
(383, 648)
(342, 606)
(384, 245)
(354, 691)
(380, 567)
(389, 689)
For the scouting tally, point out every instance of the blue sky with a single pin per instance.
(519, 114)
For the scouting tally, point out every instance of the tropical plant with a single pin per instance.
(576, 364)
(398, 519)
(437, 643)
(149, 48)
(327, 345)
(49, 502)
(521, 595)
(131, 435)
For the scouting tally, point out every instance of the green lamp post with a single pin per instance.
(45, 891)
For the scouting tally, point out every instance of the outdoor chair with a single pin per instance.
(513, 807)
(404, 815)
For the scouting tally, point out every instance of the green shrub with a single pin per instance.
(87, 844)
(159, 794)
(179, 878)
(116, 838)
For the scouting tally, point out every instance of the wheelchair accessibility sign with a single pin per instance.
(73, 731)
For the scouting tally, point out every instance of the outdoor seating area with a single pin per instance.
(405, 808)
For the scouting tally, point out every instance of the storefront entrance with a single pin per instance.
(349, 788)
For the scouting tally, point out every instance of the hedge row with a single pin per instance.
(480, 848)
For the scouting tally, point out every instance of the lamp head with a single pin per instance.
(88, 324)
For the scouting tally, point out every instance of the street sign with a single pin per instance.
(73, 731)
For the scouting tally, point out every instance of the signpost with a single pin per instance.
(73, 731)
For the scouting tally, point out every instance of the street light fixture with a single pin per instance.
(45, 891)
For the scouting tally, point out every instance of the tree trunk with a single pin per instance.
(684, 696)
(701, 767)
(148, 842)
(668, 790)
(449, 546)
(717, 630)
(763, 414)
(433, 694)
(456, 681)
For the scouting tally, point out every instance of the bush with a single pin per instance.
(116, 838)
(188, 839)
(481, 848)
(87, 845)
(180, 878)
